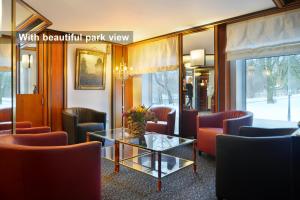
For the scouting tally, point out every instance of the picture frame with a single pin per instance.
(90, 70)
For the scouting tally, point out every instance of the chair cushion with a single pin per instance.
(159, 127)
(206, 139)
(87, 127)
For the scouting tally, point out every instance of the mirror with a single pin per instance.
(28, 70)
(198, 71)
(28, 20)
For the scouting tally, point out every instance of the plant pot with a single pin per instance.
(137, 128)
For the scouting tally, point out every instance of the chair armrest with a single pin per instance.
(100, 117)
(42, 129)
(213, 120)
(249, 131)
(70, 122)
(171, 121)
(65, 172)
(58, 138)
(232, 126)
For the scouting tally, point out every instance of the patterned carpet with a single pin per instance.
(184, 184)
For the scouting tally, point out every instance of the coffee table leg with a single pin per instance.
(152, 160)
(195, 156)
(117, 157)
(159, 171)
(88, 137)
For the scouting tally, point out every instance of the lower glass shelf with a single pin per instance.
(126, 152)
(148, 164)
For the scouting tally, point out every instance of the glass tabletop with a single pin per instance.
(150, 141)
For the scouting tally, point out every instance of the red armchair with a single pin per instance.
(189, 125)
(166, 120)
(209, 126)
(24, 127)
(42, 166)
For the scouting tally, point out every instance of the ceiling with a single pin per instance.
(147, 18)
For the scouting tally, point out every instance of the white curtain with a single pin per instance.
(156, 56)
(272, 35)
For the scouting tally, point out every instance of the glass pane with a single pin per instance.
(5, 63)
(273, 87)
(162, 89)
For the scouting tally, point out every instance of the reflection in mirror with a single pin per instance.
(198, 71)
(5, 67)
(28, 70)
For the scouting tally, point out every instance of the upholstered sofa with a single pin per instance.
(78, 121)
(42, 166)
(258, 164)
(165, 120)
(209, 126)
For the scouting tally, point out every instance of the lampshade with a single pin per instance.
(197, 57)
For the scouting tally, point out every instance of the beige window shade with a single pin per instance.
(156, 56)
(272, 35)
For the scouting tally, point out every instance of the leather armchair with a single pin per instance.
(41, 166)
(260, 167)
(78, 121)
(229, 122)
(166, 120)
(23, 128)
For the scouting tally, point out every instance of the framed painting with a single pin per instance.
(90, 70)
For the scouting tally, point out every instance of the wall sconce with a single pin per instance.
(27, 60)
(197, 57)
(267, 71)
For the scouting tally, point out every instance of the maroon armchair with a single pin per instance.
(42, 166)
(166, 120)
(189, 125)
(24, 127)
(209, 126)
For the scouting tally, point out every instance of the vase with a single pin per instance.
(136, 128)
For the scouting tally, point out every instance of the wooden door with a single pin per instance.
(30, 108)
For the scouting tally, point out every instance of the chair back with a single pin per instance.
(161, 112)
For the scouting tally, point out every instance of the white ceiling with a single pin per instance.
(147, 18)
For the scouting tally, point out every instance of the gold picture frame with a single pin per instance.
(90, 70)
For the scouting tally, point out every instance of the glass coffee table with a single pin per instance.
(144, 153)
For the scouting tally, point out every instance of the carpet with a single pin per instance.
(184, 184)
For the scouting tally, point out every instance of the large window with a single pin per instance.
(273, 87)
(5, 89)
(161, 88)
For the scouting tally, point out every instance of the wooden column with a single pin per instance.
(222, 70)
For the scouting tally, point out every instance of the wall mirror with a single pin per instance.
(198, 71)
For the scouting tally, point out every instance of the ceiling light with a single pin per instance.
(197, 57)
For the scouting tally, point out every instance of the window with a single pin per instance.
(161, 88)
(273, 87)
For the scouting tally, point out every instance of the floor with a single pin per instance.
(183, 184)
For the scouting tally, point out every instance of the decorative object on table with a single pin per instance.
(137, 118)
(123, 73)
(90, 70)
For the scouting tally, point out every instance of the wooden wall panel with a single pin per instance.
(222, 81)
(56, 84)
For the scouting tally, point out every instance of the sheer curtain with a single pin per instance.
(156, 56)
(277, 34)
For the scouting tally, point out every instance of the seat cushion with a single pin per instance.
(159, 127)
(206, 139)
(82, 128)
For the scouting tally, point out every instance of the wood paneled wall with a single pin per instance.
(222, 79)
(53, 57)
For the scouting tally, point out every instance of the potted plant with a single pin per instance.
(137, 118)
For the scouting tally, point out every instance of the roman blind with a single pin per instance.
(277, 34)
(155, 56)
